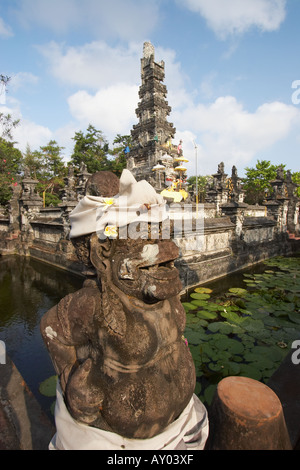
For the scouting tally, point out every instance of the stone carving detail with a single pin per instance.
(117, 344)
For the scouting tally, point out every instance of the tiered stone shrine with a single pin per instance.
(152, 136)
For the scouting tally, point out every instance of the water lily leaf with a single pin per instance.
(209, 393)
(250, 284)
(231, 368)
(195, 337)
(191, 318)
(251, 325)
(261, 361)
(250, 371)
(294, 317)
(272, 352)
(189, 306)
(52, 407)
(199, 303)
(230, 344)
(222, 327)
(240, 303)
(206, 315)
(203, 290)
(238, 291)
(48, 386)
(214, 307)
(198, 388)
(200, 296)
(231, 316)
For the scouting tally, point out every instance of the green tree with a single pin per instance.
(50, 172)
(296, 180)
(92, 149)
(53, 160)
(201, 183)
(10, 168)
(257, 181)
(122, 144)
(7, 124)
(33, 160)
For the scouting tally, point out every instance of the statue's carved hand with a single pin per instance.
(84, 399)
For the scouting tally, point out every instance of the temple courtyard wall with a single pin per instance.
(211, 244)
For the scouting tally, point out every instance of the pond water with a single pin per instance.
(28, 289)
(243, 324)
(223, 328)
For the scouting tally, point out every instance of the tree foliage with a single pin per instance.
(10, 168)
(121, 144)
(296, 180)
(91, 149)
(202, 182)
(47, 165)
(257, 181)
(7, 124)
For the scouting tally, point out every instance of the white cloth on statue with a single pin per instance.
(137, 201)
(188, 432)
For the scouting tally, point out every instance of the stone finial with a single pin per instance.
(148, 50)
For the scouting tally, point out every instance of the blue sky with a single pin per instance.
(230, 66)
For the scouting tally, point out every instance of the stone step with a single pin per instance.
(23, 423)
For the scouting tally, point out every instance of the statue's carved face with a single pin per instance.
(142, 268)
(145, 269)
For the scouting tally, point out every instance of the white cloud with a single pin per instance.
(5, 30)
(27, 132)
(111, 109)
(227, 17)
(31, 133)
(126, 19)
(21, 79)
(93, 65)
(108, 79)
(225, 131)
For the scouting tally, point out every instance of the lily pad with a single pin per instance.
(195, 337)
(209, 393)
(191, 318)
(203, 290)
(199, 303)
(198, 387)
(238, 291)
(189, 306)
(250, 371)
(48, 386)
(294, 317)
(232, 345)
(206, 315)
(221, 327)
(200, 296)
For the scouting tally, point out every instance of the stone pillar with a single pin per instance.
(14, 209)
(30, 201)
(83, 176)
(297, 219)
(247, 415)
(217, 193)
(294, 203)
(236, 212)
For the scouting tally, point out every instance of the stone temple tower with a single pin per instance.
(151, 137)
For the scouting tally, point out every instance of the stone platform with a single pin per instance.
(23, 424)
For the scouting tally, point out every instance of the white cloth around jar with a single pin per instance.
(188, 432)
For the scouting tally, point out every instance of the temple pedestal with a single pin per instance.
(247, 415)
